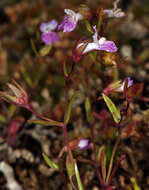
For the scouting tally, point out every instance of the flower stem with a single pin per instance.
(66, 137)
(95, 154)
(112, 157)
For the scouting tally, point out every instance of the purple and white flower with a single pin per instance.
(48, 35)
(69, 23)
(97, 44)
(83, 144)
(118, 13)
(115, 12)
(129, 84)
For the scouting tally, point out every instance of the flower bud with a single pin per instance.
(85, 11)
(20, 97)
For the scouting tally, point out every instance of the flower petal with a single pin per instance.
(90, 47)
(47, 27)
(118, 13)
(67, 25)
(54, 37)
(95, 36)
(83, 144)
(48, 38)
(130, 83)
(69, 12)
(106, 45)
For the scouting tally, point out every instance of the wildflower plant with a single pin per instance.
(91, 49)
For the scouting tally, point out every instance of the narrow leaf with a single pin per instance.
(78, 177)
(68, 112)
(50, 163)
(65, 69)
(88, 109)
(134, 184)
(12, 110)
(111, 106)
(103, 164)
(88, 27)
(109, 149)
(70, 171)
(45, 50)
(2, 119)
(26, 76)
(46, 123)
(33, 47)
(99, 153)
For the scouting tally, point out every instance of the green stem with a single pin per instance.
(66, 137)
(112, 157)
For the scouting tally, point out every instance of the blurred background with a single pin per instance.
(20, 45)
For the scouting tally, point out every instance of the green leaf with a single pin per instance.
(45, 50)
(88, 109)
(12, 110)
(70, 168)
(33, 47)
(114, 111)
(70, 171)
(65, 69)
(68, 112)
(78, 177)
(50, 163)
(26, 76)
(89, 27)
(99, 152)
(134, 184)
(103, 164)
(2, 119)
(46, 123)
(109, 149)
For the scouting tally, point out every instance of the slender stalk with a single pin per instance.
(115, 168)
(112, 157)
(95, 154)
(85, 77)
(66, 137)
(59, 124)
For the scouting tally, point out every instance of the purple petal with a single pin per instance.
(130, 82)
(48, 38)
(43, 26)
(108, 46)
(63, 23)
(48, 26)
(67, 25)
(83, 144)
(53, 23)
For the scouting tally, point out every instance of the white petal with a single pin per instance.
(78, 16)
(69, 12)
(79, 45)
(90, 47)
(95, 36)
(101, 41)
